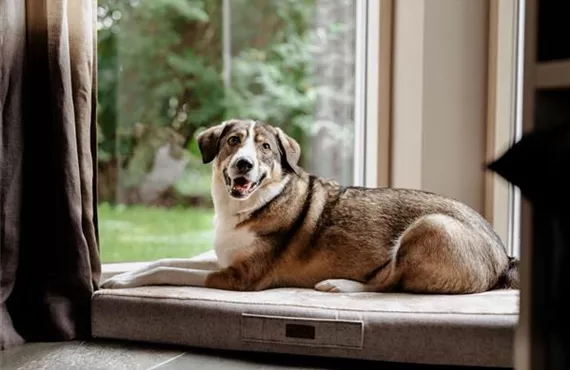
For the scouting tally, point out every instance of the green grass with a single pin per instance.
(138, 233)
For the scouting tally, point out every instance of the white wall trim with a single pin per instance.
(373, 99)
(360, 92)
(371, 143)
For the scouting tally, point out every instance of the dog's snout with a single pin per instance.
(244, 165)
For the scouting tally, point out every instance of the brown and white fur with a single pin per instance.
(278, 226)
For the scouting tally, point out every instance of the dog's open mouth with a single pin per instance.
(242, 187)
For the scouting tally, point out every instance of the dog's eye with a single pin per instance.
(266, 146)
(234, 140)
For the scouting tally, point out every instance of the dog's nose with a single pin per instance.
(243, 165)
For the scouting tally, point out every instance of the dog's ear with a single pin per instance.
(290, 150)
(209, 142)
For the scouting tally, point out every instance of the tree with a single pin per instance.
(160, 64)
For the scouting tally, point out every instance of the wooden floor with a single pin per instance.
(99, 355)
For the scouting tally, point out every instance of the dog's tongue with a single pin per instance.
(242, 185)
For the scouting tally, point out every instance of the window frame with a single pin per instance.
(372, 94)
(504, 124)
(528, 354)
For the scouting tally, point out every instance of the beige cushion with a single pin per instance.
(475, 329)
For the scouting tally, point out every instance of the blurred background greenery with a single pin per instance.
(161, 81)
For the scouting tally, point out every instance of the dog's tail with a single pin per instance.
(509, 279)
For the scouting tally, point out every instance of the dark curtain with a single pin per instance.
(539, 164)
(49, 259)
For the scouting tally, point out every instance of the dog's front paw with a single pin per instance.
(340, 286)
(124, 280)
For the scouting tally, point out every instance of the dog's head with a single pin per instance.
(248, 155)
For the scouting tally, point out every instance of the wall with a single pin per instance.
(440, 97)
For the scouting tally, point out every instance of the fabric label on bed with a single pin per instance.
(302, 331)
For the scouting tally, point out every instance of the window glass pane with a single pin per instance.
(166, 71)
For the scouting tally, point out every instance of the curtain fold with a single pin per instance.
(49, 256)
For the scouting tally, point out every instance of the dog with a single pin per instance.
(278, 226)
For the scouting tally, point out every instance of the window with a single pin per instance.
(505, 119)
(352, 81)
(168, 69)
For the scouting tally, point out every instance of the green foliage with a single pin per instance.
(206, 85)
(107, 81)
(166, 76)
(160, 68)
(189, 10)
(275, 84)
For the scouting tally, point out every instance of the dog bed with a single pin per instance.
(473, 330)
